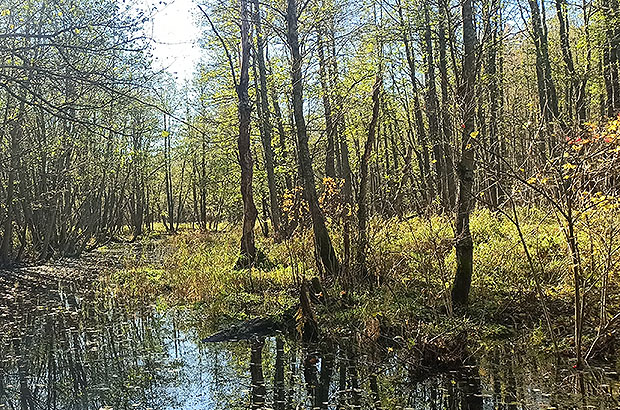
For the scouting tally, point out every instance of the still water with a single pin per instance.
(63, 347)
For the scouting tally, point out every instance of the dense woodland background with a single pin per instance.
(335, 115)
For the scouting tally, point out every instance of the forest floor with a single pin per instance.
(407, 301)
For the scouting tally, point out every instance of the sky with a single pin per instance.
(175, 35)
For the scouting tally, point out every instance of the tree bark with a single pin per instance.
(330, 168)
(362, 212)
(432, 113)
(322, 241)
(464, 243)
(494, 84)
(427, 190)
(267, 128)
(547, 96)
(611, 57)
(248, 247)
(7, 236)
(446, 123)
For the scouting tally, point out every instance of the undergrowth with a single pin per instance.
(413, 261)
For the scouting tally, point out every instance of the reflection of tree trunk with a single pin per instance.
(342, 378)
(26, 400)
(311, 380)
(356, 398)
(327, 368)
(471, 397)
(259, 392)
(322, 240)
(510, 395)
(279, 398)
(292, 379)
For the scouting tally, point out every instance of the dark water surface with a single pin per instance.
(62, 347)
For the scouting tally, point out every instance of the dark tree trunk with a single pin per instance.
(325, 250)
(266, 128)
(248, 247)
(494, 96)
(362, 212)
(446, 123)
(169, 219)
(577, 86)
(330, 168)
(464, 244)
(611, 57)
(432, 113)
(426, 179)
(547, 96)
(15, 130)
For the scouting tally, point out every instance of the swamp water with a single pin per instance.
(63, 348)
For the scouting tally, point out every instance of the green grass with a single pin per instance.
(413, 261)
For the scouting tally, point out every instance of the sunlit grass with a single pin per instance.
(413, 263)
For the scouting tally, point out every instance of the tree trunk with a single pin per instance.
(547, 95)
(362, 212)
(7, 237)
(577, 86)
(464, 243)
(493, 89)
(446, 123)
(427, 182)
(266, 133)
(248, 247)
(611, 57)
(330, 169)
(282, 141)
(432, 113)
(322, 241)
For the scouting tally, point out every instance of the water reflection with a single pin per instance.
(66, 350)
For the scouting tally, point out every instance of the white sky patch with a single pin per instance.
(175, 36)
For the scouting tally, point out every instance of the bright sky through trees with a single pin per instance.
(175, 36)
